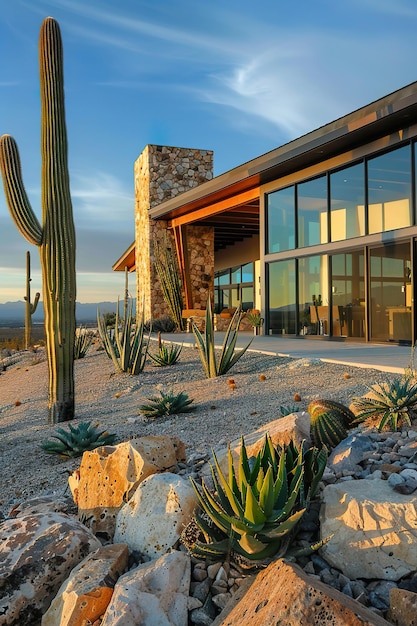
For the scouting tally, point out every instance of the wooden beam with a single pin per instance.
(218, 207)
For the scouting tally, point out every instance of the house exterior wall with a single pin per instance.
(161, 173)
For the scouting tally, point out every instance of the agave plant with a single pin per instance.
(391, 403)
(167, 403)
(83, 341)
(206, 344)
(77, 440)
(126, 345)
(329, 422)
(168, 354)
(255, 512)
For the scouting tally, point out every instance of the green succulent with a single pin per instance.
(392, 403)
(329, 422)
(77, 440)
(206, 344)
(125, 345)
(288, 409)
(254, 512)
(83, 341)
(168, 354)
(168, 403)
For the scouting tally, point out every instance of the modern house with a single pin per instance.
(319, 234)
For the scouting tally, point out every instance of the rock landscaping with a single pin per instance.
(105, 540)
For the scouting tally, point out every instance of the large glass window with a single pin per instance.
(347, 203)
(280, 207)
(281, 307)
(389, 191)
(313, 297)
(390, 282)
(234, 286)
(312, 212)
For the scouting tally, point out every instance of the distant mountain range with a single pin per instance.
(13, 313)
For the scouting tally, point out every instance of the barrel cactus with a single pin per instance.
(329, 422)
(56, 237)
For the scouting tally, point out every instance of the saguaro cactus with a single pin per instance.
(30, 307)
(56, 237)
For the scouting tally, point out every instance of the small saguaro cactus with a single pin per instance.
(56, 237)
(30, 307)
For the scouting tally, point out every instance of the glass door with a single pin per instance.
(390, 292)
(348, 294)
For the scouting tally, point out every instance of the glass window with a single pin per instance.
(224, 277)
(313, 298)
(348, 294)
(347, 203)
(236, 275)
(247, 273)
(247, 298)
(281, 297)
(389, 191)
(280, 207)
(312, 212)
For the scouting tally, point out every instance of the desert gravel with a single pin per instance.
(263, 384)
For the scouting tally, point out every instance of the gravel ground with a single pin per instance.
(263, 385)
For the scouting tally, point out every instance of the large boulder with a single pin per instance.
(152, 594)
(284, 594)
(153, 519)
(37, 553)
(109, 476)
(372, 525)
(85, 595)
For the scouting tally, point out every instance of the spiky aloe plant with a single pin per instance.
(126, 346)
(255, 512)
(77, 440)
(56, 237)
(168, 354)
(167, 403)
(168, 271)
(391, 403)
(329, 422)
(83, 341)
(206, 344)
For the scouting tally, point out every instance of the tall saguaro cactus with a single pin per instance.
(56, 237)
(30, 307)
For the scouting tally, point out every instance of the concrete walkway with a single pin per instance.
(384, 357)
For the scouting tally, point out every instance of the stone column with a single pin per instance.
(161, 173)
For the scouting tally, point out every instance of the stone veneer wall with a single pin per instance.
(161, 173)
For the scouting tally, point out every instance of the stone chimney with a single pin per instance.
(162, 173)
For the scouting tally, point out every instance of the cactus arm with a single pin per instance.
(16, 197)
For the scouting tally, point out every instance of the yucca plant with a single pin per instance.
(392, 403)
(255, 512)
(77, 440)
(287, 409)
(167, 403)
(168, 354)
(206, 344)
(126, 345)
(83, 341)
(329, 422)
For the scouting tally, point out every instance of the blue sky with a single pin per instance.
(236, 77)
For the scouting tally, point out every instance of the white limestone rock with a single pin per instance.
(374, 527)
(153, 519)
(152, 594)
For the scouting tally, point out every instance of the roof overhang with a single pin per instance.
(389, 114)
(126, 260)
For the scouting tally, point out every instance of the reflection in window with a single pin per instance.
(281, 297)
(313, 295)
(234, 286)
(347, 203)
(312, 212)
(280, 209)
(389, 191)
